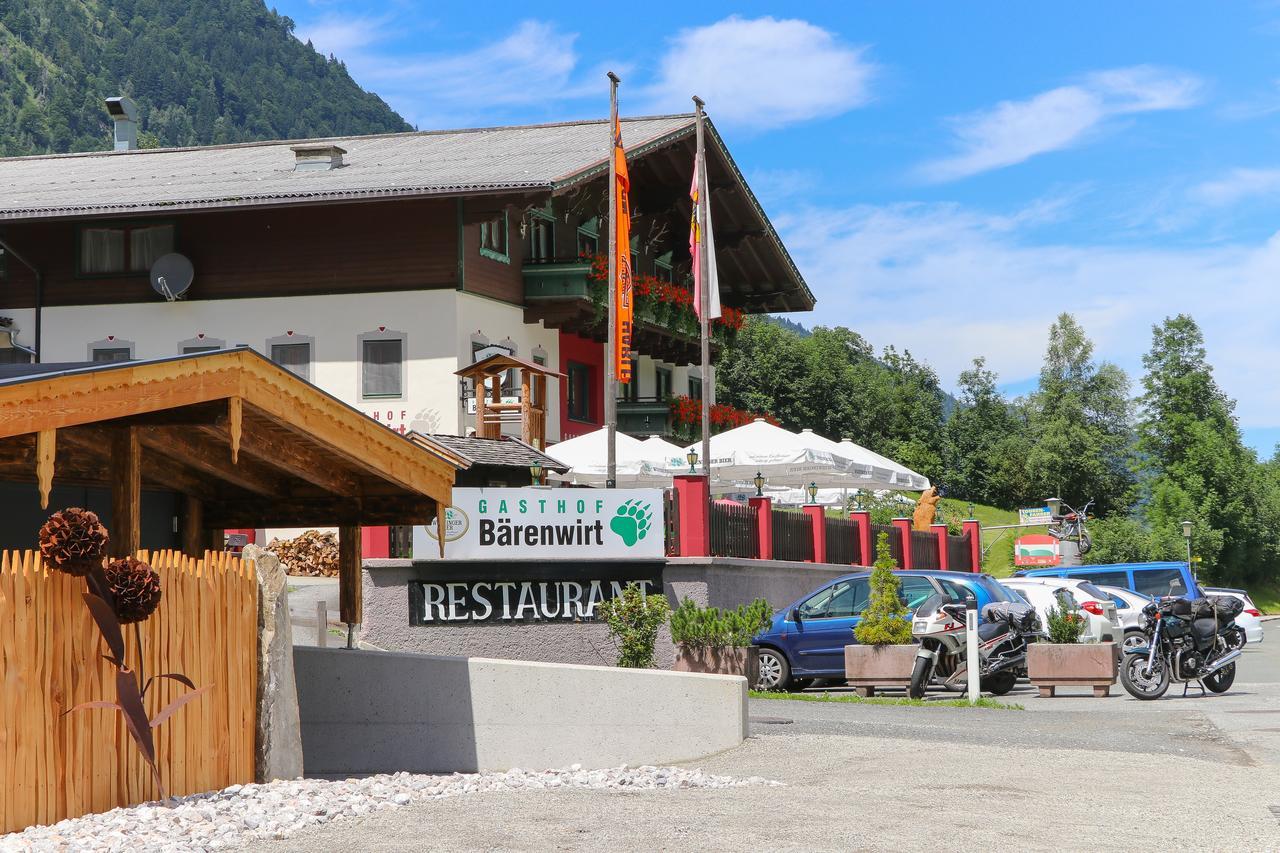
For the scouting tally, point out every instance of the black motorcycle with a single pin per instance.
(1188, 640)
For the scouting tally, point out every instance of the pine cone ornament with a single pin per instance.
(73, 540)
(135, 587)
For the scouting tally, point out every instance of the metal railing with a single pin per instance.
(959, 553)
(792, 536)
(401, 542)
(842, 541)
(735, 531)
(924, 550)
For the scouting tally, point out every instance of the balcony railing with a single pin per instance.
(644, 416)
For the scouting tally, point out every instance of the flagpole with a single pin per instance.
(704, 302)
(610, 379)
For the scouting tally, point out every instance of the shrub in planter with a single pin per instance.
(1066, 662)
(884, 654)
(634, 619)
(709, 639)
(1065, 626)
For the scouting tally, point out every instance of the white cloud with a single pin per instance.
(761, 73)
(1237, 185)
(340, 35)
(1015, 131)
(950, 283)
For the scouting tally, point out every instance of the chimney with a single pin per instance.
(320, 157)
(124, 112)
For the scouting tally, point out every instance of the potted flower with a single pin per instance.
(1066, 662)
(709, 639)
(884, 653)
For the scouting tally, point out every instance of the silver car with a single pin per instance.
(1129, 606)
(1250, 620)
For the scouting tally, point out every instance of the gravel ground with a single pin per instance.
(251, 814)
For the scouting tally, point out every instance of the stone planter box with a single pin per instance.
(1053, 665)
(869, 667)
(721, 661)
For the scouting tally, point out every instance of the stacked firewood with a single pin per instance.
(313, 554)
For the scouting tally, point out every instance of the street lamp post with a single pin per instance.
(758, 479)
(813, 493)
(535, 471)
(692, 458)
(1186, 534)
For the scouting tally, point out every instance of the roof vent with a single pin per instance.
(124, 112)
(317, 158)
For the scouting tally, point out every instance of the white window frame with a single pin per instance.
(295, 338)
(111, 343)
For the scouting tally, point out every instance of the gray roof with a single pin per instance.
(506, 451)
(534, 157)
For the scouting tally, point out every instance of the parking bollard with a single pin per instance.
(971, 651)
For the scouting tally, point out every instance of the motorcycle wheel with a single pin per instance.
(1221, 681)
(1137, 682)
(921, 675)
(999, 684)
(1086, 541)
(1235, 638)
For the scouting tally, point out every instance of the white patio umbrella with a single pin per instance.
(587, 458)
(780, 456)
(661, 454)
(902, 477)
(863, 471)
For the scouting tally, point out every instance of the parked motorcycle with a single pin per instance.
(1070, 527)
(939, 626)
(1188, 640)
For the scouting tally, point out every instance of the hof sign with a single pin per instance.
(539, 523)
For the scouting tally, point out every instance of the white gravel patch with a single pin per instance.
(245, 813)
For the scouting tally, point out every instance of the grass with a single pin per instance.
(1266, 596)
(999, 559)
(854, 699)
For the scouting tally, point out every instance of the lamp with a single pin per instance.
(758, 479)
(1186, 534)
(1054, 505)
(813, 493)
(692, 458)
(970, 516)
(535, 471)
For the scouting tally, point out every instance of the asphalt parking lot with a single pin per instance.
(1071, 772)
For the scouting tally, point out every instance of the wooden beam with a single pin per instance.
(211, 460)
(292, 456)
(350, 580)
(46, 441)
(126, 492)
(193, 530)
(318, 512)
(235, 416)
(213, 413)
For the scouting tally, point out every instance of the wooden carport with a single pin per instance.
(245, 442)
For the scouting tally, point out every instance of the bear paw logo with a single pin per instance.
(631, 522)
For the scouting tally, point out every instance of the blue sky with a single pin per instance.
(949, 177)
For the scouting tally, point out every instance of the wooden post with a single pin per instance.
(526, 409)
(350, 591)
(46, 442)
(126, 492)
(194, 536)
(482, 390)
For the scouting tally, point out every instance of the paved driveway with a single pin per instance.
(1066, 773)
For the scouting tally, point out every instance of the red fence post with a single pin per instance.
(974, 529)
(866, 548)
(904, 533)
(693, 497)
(817, 519)
(944, 559)
(764, 525)
(375, 543)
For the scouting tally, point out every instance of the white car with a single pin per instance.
(1072, 594)
(1250, 620)
(1129, 606)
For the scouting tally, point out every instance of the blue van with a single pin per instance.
(1153, 579)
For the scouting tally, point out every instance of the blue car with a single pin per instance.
(1152, 579)
(806, 640)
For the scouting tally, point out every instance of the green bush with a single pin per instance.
(1065, 626)
(886, 621)
(697, 627)
(634, 619)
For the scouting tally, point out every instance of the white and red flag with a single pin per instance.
(699, 224)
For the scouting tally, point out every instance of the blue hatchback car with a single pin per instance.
(806, 640)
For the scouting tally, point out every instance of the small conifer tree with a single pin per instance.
(886, 621)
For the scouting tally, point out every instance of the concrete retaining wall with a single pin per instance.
(382, 712)
(717, 581)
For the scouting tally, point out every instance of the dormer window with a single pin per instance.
(121, 249)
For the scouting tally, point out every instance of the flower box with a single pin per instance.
(1054, 665)
(869, 667)
(721, 661)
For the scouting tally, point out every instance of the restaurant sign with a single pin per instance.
(433, 603)
(541, 523)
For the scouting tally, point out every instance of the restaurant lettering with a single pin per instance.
(513, 601)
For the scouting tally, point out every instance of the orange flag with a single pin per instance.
(622, 241)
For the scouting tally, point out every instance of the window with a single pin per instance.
(382, 368)
(1120, 578)
(631, 390)
(579, 391)
(843, 599)
(295, 358)
(635, 264)
(662, 271)
(539, 357)
(493, 239)
(589, 237)
(663, 378)
(14, 355)
(915, 590)
(108, 354)
(542, 238)
(1157, 582)
(695, 388)
(955, 592)
(122, 249)
(199, 348)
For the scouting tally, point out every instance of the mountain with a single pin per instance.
(202, 72)
(789, 325)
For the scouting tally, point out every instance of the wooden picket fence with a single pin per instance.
(54, 766)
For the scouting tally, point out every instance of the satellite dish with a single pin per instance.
(171, 275)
